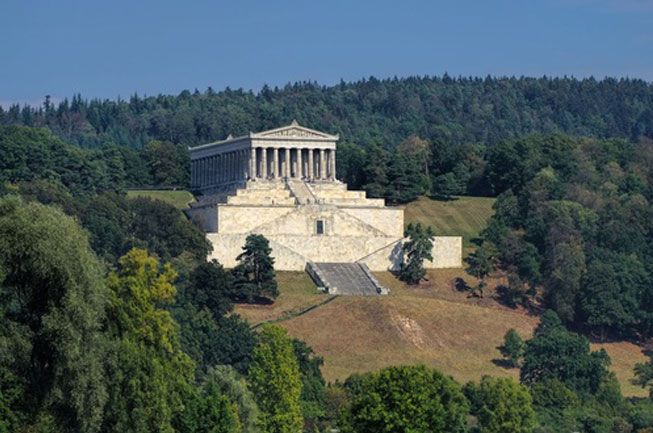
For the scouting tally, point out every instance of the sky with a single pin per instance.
(115, 48)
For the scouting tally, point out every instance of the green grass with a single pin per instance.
(178, 199)
(463, 216)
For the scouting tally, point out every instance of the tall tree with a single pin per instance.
(53, 301)
(149, 376)
(254, 275)
(416, 250)
(275, 381)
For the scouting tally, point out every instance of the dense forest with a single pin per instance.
(458, 110)
(112, 320)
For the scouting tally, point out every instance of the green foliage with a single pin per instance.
(505, 406)
(231, 384)
(165, 230)
(571, 217)
(149, 376)
(275, 380)
(416, 250)
(555, 353)
(644, 374)
(312, 398)
(138, 290)
(513, 347)
(406, 399)
(117, 223)
(480, 263)
(53, 302)
(208, 411)
(211, 287)
(553, 394)
(168, 164)
(30, 153)
(446, 186)
(254, 275)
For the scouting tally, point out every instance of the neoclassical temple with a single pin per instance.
(287, 152)
(282, 184)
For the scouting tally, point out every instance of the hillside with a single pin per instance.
(433, 324)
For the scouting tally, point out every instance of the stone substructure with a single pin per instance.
(281, 184)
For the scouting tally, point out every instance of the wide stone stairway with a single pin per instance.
(345, 278)
(301, 191)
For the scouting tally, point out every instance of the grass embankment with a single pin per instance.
(178, 198)
(461, 216)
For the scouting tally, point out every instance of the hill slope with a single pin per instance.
(432, 324)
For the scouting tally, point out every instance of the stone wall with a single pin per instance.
(291, 253)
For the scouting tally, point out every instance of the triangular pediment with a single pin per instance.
(294, 131)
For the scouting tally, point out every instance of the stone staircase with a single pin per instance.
(345, 278)
(301, 191)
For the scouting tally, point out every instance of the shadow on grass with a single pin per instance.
(445, 198)
(503, 363)
(258, 300)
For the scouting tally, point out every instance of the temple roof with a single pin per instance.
(292, 131)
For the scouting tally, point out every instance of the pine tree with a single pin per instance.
(255, 274)
(416, 250)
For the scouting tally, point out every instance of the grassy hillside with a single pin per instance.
(464, 216)
(433, 324)
(178, 199)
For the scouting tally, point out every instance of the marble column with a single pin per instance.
(300, 164)
(332, 164)
(288, 162)
(264, 161)
(210, 173)
(322, 165)
(311, 164)
(252, 163)
(275, 163)
(214, 170)
(232, 166)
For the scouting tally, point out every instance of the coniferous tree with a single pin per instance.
(254, 275)
(416, 250)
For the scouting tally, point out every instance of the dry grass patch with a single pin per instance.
(296, 293)
(358, 334)
(624, 356)
(432, 324)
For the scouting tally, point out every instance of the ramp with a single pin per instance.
(345, 278)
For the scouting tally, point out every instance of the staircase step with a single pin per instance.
(345, 278)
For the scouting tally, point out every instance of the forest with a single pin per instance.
(113, 322)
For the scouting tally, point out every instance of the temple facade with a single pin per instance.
(282, 184)
(289, 152)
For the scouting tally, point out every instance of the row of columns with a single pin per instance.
(220, 168)
(317, 164)
(239, 165)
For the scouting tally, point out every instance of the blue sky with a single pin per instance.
(114, 48)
